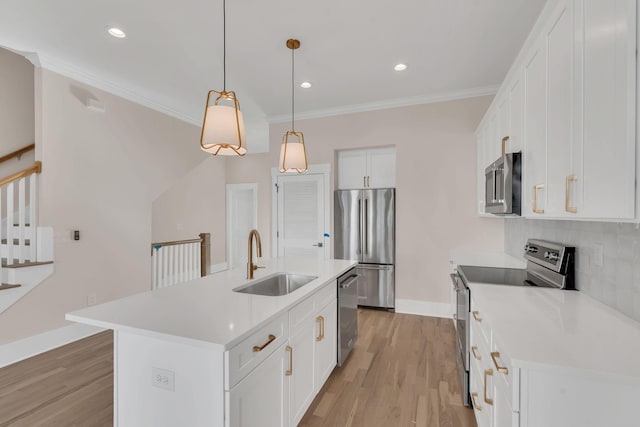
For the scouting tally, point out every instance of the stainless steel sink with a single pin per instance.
(276, 285)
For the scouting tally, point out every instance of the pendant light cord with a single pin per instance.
(224, 45)
(293, 98)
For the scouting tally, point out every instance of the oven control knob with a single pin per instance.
(553, 256)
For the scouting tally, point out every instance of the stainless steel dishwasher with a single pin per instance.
(347, 313)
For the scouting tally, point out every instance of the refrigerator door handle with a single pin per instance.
(366, 226)
(373, 267)
(359, 226)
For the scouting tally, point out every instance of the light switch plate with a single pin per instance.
(163, 378)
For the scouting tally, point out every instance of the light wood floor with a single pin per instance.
(402, 372)
(69, 386)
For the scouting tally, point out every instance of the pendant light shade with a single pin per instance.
(223, 124)
(223, 127)
(293, 154)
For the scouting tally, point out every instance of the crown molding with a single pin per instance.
(387, 104)
(68, 70)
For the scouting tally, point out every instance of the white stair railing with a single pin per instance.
(18, 228)
(179, 261)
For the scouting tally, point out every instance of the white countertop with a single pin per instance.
(551, 327)
(206, 311)
(486, 259)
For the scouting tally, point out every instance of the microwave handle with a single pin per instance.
(495, 185)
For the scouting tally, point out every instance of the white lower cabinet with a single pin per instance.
(535, 395)
(281, 386)
(262, 398)
(326, 343)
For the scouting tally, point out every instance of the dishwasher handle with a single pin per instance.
(349, 281)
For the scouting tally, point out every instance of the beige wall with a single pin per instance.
(194, 205)
(16, 110)
(436, 183)
(101, 173)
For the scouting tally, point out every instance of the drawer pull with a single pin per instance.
(487, 373)
(474, 350)
(320, 321)
(289, 371)
(257, 349)
(534, 206)
(474, 396)
(501, 369)
(476, 317)
(567, 195)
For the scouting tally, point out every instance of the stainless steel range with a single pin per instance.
(548, 265)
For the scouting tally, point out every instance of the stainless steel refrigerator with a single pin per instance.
(364, 229)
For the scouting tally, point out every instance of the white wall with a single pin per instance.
(436, 183)
(16, 110)
(193, 205)
(101, 173)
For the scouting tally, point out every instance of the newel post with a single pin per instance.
(205, 253)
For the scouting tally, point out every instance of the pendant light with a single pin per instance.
(293, 155)
(223, 125)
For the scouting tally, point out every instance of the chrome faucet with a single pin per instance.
(251, 267)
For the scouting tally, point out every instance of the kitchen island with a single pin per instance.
(198, 353)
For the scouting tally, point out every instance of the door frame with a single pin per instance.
(230, 188)
(320, 169)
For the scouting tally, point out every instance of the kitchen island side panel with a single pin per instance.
(193, 397)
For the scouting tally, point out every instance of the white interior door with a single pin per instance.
(241, 219)
(302, 216)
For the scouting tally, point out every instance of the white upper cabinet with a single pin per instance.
(606, 46)
(370, 168)
(535, 123)
(569, 104)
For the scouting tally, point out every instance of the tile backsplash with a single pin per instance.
(607, 256)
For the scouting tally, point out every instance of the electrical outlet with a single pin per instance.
(163, 378)
(598, 255)
(92, 299)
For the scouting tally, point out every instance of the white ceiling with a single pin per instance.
(173, 53)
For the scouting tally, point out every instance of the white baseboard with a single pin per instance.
(423, 308)
(25, 348)
(216, 268)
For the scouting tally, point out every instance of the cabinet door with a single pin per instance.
(352, 169)
(608, 41)
(262, 398)
(381, 168)
(535, 125)
(503, 120)
(558, 40)
(326, 343)
(480, 177)
(503, 416)
(302, 387)
(516, 104)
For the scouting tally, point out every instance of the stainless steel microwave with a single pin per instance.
(503, 185)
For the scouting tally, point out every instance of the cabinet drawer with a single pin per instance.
(308, 308)
(479, 346)
(506, 377)
(250, 352)
(481, 410)
(325, 295)
(478, 319)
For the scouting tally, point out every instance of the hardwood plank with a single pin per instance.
(70, 385)
(402, 372)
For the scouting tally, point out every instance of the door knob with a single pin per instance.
(318, 245)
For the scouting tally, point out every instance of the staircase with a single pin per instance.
(26, 250)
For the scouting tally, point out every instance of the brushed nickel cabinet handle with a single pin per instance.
(535, 198)
(567, 195)
(474, 396)
(289, 371)
(474, 350)
(501, 369)
(257, 349)
(476, 316)
(487, 373)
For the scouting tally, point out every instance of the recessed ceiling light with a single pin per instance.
(400, 67)
(116, 32)
(305, 85)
